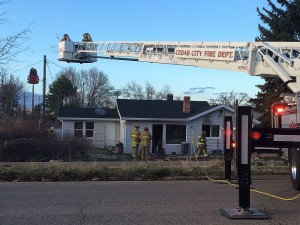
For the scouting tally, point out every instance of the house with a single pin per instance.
(176, 124)
(100, 125)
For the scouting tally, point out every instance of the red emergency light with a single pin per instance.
(233, 144)
(33, 77)
(256, 135)
(278, 107)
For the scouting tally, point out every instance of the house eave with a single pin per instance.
(210, 111)
(87, 119)
(183, 120)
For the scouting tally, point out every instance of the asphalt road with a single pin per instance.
(141, 202)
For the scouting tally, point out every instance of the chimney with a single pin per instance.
(186, 104)
(169, 97)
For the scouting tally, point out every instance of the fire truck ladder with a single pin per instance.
(281, 59)
(181, 53)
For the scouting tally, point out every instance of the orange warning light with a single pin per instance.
(278, 107)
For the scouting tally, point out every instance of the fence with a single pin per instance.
(46, 149)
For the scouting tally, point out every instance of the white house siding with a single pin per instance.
(99, 134)
(106, 133)
(122, 132)
(111, 133)
(67, 129)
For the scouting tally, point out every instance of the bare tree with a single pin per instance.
(10, 93)
(134, 90)
(163, 93)
(13, 44)
(150, 91)
(92, 87)
(97, 89)
(231, 99)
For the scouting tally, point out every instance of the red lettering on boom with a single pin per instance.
(225, 54)
(210, 53)
(196, 53)
(182, 52)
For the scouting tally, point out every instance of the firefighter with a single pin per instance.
(86, 37)
(66, 38)
(202, 145)
(135, 135)
(145, 139)
(86, 46)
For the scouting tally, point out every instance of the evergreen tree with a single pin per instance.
(60, 92)
(282, 22)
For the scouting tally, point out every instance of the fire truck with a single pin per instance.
(272, 59)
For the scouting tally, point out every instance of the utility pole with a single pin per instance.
(44, 90)
(82, 104)
(32, 107)
(24, 107)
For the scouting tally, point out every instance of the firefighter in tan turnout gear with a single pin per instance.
(202, 145)
(135, 140)
(145, 139)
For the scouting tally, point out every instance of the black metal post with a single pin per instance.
(32, 100)
(44, 91)
(228, 146)
(243, 164)
(243, 155)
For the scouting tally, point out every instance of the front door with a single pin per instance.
(157, 135)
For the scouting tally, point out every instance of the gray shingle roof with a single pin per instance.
(87, 113)
(170, 109)
(153, 109)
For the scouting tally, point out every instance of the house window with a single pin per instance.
(175, 134)
(78, 129)
(89, 129)
(211, 130)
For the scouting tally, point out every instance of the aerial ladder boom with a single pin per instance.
(281, 59)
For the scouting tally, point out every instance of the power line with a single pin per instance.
(55, 64)
(27, 67)
(49, 69)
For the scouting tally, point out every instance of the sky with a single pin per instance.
(135, 20)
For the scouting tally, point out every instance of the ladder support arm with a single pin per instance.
(281, 73)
